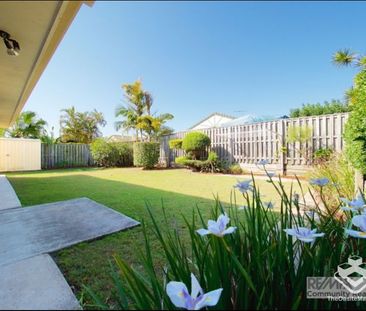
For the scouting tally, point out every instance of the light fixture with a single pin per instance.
(12, 46)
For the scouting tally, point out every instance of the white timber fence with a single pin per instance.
(247, 144)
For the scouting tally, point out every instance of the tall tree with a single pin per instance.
(136, 114)
(80, 127)
(154, 126)
(133, 109)
(28, 125)
(355, 128)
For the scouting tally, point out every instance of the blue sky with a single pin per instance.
(260, 58)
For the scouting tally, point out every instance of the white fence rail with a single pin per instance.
(249, 143)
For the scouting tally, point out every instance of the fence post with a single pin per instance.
(229, 146)
(283, 151)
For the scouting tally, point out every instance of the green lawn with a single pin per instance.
(126, 190)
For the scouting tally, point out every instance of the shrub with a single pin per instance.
(212, 164)
(258, 264)
(108, 154)
(322, 155)
(102, 152)
(355, 128)
(146, 154)
(194, 144)
(235, 169)
(175, 143)
(195, 165)
(338, 170)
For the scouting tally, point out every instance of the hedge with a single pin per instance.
(146, 154)
(109, 154)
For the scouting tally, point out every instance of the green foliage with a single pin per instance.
(211, 165)
(123, 153)
(235, 169)
(355, 128)
(195, 143)
(346, 57)
(175, 143)
(335, 106)
(339, 171)
(322, 155)
(300, 134)
(109, 154)
(195, 165)
(137, 114)
(146, 154)
(27, 125)
(154, 126)
(80, 127)
(258, 266)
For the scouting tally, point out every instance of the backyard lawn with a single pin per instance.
(126, 190)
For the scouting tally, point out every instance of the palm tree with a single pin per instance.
(137, 115)
(147, 102)
(129, 121)
(27, 125)
(135, 107)
(346, 57)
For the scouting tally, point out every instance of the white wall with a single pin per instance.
(213, 121)
(20, 154)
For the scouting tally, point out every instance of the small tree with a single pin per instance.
(302, 135)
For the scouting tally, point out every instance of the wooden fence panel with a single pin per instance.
(249, 143)
(65, 156)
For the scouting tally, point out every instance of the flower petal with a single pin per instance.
(360, 221)
(356, 234)
(177, 292)
(196, 287)
(222, 222)
(229, 230)
(203, 232)
(292, 232)
(214, 229)
(306, 239)
(318, 235)
(209, 299)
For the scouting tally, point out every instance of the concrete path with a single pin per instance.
(8, 197)
(30, 231)
(29, 278)
(35, 283)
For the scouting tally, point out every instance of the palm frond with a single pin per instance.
(344, 57)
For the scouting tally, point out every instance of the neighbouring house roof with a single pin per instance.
(39, 27)
(247, 119)
(217, 120)
(120, 138)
